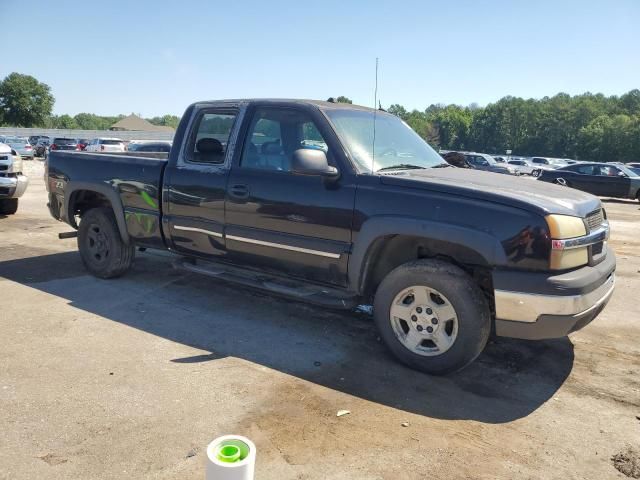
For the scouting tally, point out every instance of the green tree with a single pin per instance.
(90, 121)
(64, 121)
(452, 124)
(24, 101)
(398, 110)
(343, 99)
(166, 120)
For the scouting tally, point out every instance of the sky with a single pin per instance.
(156, 57)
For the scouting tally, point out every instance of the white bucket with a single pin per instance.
(231, 457)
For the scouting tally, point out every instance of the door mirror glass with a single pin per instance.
(306, 161)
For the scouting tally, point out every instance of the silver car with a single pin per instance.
(20, 145)
(13, 182)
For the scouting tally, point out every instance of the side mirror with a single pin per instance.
(622, 174)
(307, 161)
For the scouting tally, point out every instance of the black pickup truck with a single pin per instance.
(343, 206)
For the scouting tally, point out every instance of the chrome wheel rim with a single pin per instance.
(424, 320)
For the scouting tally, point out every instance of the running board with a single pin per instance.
(305, 292)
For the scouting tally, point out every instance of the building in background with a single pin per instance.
(135, 123)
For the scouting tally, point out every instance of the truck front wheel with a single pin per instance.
(8, 206)
(432, 316)
(101, 248)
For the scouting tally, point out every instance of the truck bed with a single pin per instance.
(131, 184)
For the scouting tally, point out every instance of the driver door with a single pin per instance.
(278, 221)
(612, 182)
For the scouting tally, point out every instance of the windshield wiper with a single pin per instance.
(401, 166)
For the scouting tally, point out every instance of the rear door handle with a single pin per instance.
(239, 191)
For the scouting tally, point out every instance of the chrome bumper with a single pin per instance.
(527, 307)
(15, 186)
(536, 317)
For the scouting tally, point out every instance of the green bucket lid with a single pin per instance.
(228, 452)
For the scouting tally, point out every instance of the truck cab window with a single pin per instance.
(274, 134)
(209, 144)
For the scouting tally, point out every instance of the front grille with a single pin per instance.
(4, 167)
(595, 219)
(4, 157)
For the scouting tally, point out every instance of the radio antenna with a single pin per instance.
(375, 111)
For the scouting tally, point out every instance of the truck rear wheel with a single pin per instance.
(8, 206)
(101, 248)
(432, 316)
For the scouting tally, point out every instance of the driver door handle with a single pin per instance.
(239, 191)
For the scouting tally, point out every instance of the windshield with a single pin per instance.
(397, 146)
(628, 171)
(15, 140)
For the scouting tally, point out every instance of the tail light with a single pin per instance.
(53, 147)
(78, 148)
(102, 148)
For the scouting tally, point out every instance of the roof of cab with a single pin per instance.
(324, 105)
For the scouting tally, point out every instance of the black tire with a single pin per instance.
(101, 248)
(8, 206)
(471, 309)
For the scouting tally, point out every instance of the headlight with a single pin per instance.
(562, 227)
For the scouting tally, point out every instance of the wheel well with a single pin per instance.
(83, 200)
(389, 252)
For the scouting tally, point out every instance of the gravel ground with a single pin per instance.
(131, 378)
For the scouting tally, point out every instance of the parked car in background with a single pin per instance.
(105, 145)
(456, 159)
(541, 164)
(604, 179)
(522, 166)
(482, 161)
(20, 145)
(40, 150)
(64, 143)
(13, 182)
(82, 143)
(33, 139)
(158, 147)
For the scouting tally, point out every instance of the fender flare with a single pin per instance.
(482, 243)
(108, 192)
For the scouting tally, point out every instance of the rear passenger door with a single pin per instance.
(195, 185)
(281, 222)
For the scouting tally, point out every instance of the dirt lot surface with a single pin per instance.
(131, 378)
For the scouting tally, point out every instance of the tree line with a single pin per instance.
(585, 127)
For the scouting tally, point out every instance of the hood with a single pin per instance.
(526, 193)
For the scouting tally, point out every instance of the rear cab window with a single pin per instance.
(209, 136)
